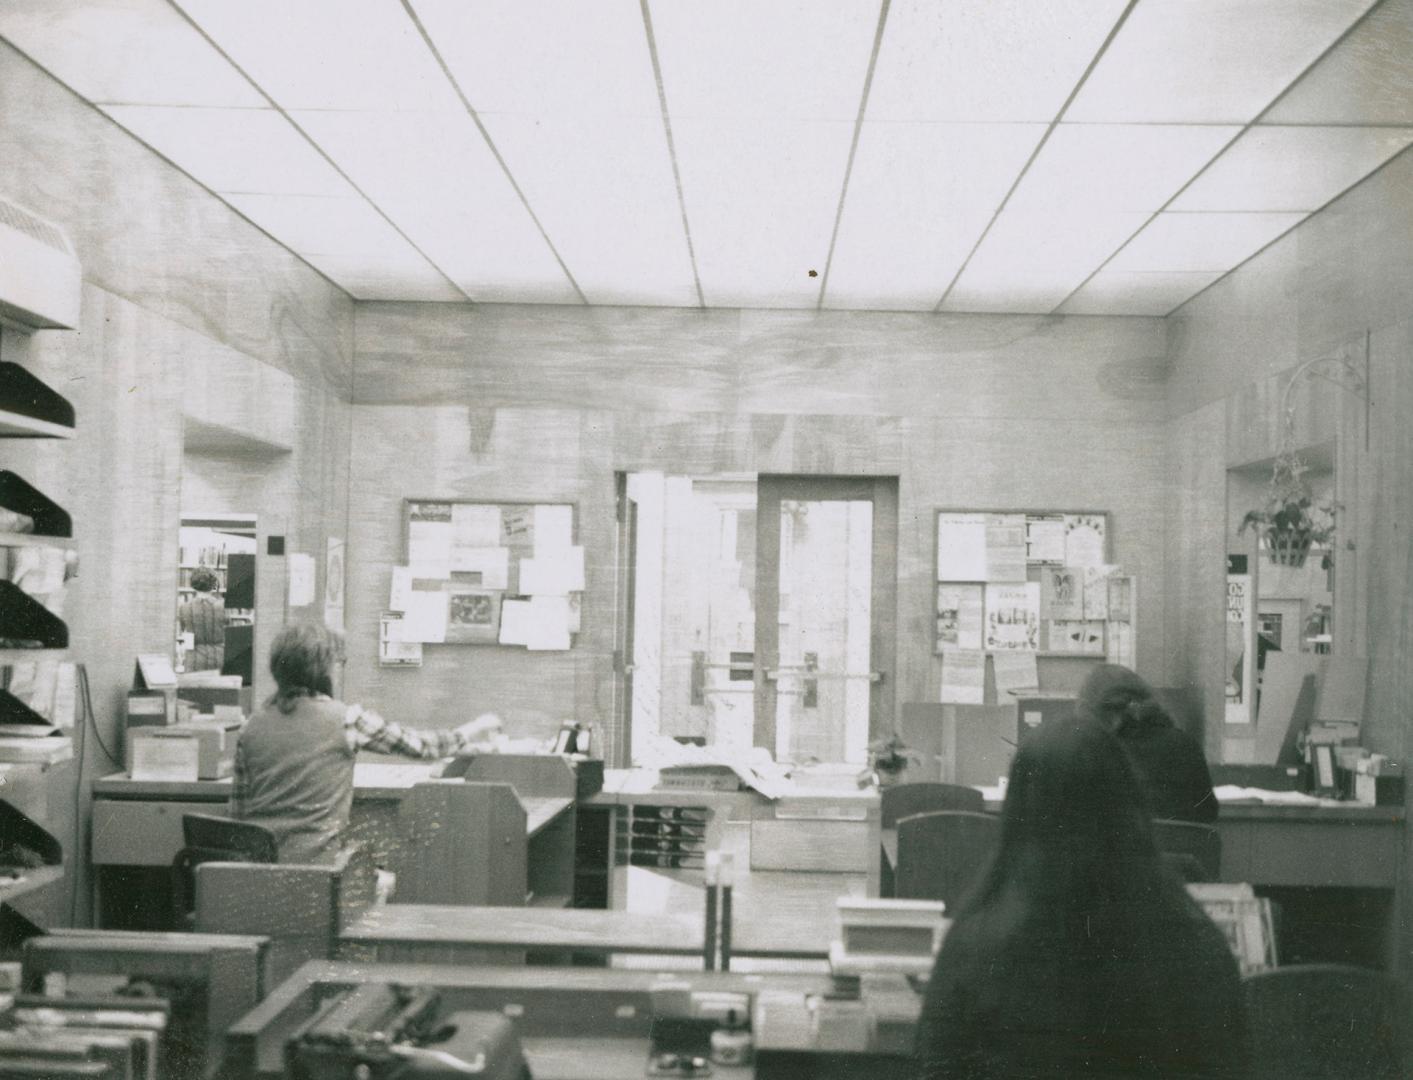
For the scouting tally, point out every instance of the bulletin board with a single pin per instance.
(1013, 587)
(486, 573)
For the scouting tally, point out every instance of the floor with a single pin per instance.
(803, 895)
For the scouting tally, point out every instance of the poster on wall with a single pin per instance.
(333, 585)
(1013, 616)
(1240, 669)
(393, 651)
(958, 617)
(473, 616)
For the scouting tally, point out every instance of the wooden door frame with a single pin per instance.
(882, 492)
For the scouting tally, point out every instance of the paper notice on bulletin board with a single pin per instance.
(959, 622)
(961, 547)
(963, 677)
(301, 571)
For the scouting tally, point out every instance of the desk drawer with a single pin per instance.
(802, 844)
(132, 833)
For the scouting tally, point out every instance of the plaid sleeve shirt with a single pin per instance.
(366, 730)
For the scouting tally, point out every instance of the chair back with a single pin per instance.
(941, 855)
(1192, 850)
(1311, 1021)
(904, 800)
(214, 839)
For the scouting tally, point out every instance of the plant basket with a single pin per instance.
(1287, 548)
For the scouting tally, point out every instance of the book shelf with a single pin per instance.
(30, 633)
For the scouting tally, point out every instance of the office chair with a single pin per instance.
(940, 855)
(904, 800)
(214, 839)
(1312, 1021)
(1193, 851)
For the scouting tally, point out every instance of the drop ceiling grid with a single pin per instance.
(766, 91)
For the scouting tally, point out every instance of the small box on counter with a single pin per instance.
(207, 698)
(214, 740)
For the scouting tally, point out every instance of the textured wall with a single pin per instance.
(181, 297)
(546, 403)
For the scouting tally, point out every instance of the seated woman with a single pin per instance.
(1171, 767)
(294, 758)
(1079, 955)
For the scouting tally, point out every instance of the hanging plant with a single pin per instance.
(1291, 522)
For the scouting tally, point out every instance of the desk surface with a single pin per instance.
(258, 1036)
(371, 780)
(584, 930)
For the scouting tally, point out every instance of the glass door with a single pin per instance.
(825, 616)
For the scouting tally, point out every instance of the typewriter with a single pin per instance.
(382, 1031)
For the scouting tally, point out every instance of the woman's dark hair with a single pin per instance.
(203, 580)
(1075, 837)
(1118, 698)
(302, 660)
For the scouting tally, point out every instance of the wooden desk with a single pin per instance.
(448, 933)
(1348, 846)
(574, 1023)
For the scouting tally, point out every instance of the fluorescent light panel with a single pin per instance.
(572, 106)
(1208, 61)
(1198, 242)
(136, 52)
(1098, 168)
(1291, 168)
(761, 199)
(985, 60)
(1029, 262)
(1364, 80)
(328, 54)
(768, 59)
(433, 175)
(1116, 293)
(247, 150)
(919, 198)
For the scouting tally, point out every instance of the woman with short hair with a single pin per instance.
(1080, 956)
(294, 758)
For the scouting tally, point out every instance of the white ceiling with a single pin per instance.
(1080, 156)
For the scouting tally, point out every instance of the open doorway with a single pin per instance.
(216, 595)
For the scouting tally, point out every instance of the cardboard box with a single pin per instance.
(215, 742)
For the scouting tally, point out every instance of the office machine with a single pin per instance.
(897, 936)
(381, 1031)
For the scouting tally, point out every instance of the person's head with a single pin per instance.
(302, 660)
(1075, 831)
(204, 581)
(1119, 700)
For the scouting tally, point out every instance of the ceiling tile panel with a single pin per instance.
(1198, 242)
(434, 176)
(1115, 293)
(328, 54)
(382, 277)
(919, 197)
(312, 225)
(573, 108)
(249, 150)
(1364, 80)
(1029, 261)
(763, 96)
(1094, 168)
(761, 198)
(133, 52)
(764, 59)
(1208, 61)
(1291, 168)
(985, 60)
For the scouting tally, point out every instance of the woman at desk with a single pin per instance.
(1080, 956)
(1170, 765)
(294, 758)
